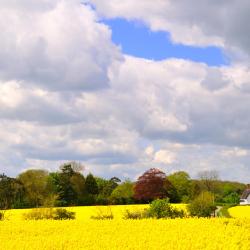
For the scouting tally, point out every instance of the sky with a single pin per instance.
(125, 86)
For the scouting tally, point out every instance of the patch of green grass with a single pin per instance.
(224, 211)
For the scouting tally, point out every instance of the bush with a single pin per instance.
(203, 205)
(134, 215)
(63, 214)
(103, 214)
(49, 214)
(162, 209)
(39, 214)
(158, 209)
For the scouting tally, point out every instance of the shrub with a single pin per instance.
(134, 215)
(103, 214)
(203, 205)
(39, 214)
(158, 209)
(162, 209)
(63, 214)
(49, 214)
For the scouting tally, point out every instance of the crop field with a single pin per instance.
(240, 212)
(86, 233)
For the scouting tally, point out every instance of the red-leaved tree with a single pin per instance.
(151, 185)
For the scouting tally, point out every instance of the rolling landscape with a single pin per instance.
(124, 125)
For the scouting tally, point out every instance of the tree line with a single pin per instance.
(69, 187)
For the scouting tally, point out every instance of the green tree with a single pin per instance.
(91, 185)
(78, 184)
(161, 208)
(105, 187)
(203, 205)
(182, 185)
(209, 180)
(66, 190)
(35, 185)
(11, 192)
(123, 194)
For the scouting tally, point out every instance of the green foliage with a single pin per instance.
(39, 214)
(88, 200)
(232, 198)
(162, 209)
(181, 186)
(63, 214)
(224, 211)
(158, 209)
(11, 192)
(203, 205)
(105, 188)
(49, 214)
(103, 214)
(123, 194)
(68, 187)
(35, 185)
(134, 215)
(50, 200)
(77, 182)
(209, 180)
(66, 191)
(91, 185)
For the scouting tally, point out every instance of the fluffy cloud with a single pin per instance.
(214, 80)
(164, 156)
(55, 45)
(124, 129)
(173, 114)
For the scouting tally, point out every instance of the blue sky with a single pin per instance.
(138, 40)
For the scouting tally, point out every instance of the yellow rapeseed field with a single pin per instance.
(85, 233)
(240, 211)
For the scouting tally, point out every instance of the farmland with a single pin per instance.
(85, 233)
(240, 212)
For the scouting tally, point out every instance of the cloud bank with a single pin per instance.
(68, 93)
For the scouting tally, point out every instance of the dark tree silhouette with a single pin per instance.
(151, 185)
(11, 191)
(91, 185)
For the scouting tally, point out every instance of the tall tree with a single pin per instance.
(35, 185)
(182, 185)
(151, 185)
(91, 185)
(11, 192)
(209, 179)
(66, 190)
(123, 194)
(78, 184)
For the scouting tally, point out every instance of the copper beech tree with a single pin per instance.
(151, 185)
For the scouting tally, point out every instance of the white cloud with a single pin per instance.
(214, 80)
(120, 129)
(235, 152)
(55, 45)
(165, 156)
(172, 114)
